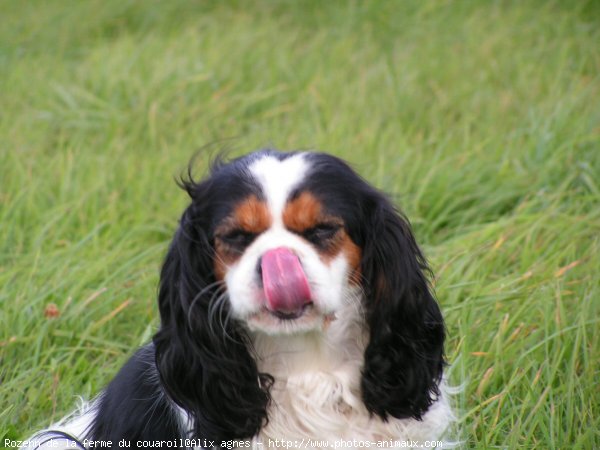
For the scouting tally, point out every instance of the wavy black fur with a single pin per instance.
(204, 358)
(404, 359)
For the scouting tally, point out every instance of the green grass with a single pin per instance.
(481, 118)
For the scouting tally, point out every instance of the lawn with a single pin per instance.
(480, 119)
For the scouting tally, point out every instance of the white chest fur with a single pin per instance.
(316, 398)
(318, 410)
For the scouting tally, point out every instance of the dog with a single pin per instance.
(295, 311)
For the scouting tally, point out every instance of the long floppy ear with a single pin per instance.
(202, 355)
(404, 359)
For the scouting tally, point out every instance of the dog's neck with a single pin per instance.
(316, 375)
(316, 397)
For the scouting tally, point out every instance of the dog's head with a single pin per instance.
(278, 243)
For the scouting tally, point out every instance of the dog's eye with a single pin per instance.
(238, 239)
(322, 233)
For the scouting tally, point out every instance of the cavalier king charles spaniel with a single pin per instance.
(295, 311)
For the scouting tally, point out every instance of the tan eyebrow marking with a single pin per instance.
(305, 212)
(302, 213)
(251, 215)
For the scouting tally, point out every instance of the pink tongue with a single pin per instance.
(284, 281)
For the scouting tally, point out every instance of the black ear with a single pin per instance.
(203, 355)
(404, 359)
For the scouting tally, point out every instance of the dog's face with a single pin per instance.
(280, 243)
(283, 250)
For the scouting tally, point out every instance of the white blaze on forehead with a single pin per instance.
(278, 178)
